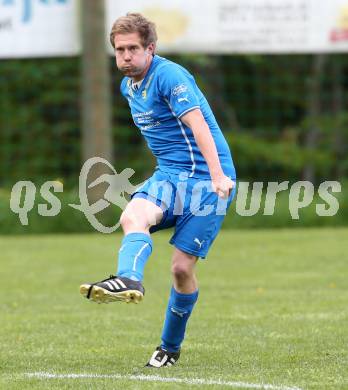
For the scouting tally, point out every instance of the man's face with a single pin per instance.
(132, 59)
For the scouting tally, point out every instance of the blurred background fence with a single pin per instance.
(285, 117)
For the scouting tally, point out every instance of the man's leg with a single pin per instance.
(194, 234)
(183, 297)
(136, 220)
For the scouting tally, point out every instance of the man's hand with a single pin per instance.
(222, 186)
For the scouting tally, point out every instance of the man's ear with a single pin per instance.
(151, 48)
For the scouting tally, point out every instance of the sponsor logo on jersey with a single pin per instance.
(179, 89)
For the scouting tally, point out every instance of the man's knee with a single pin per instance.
(126, 221)
(183, 267)
(140, 214)
(132, 220)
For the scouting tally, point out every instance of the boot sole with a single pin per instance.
(101, 295)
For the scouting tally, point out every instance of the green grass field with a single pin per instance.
(273, 309)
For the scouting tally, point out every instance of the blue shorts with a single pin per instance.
(190, 206)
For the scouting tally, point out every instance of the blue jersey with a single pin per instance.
(168, 92)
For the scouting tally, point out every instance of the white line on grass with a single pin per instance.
(157, 378)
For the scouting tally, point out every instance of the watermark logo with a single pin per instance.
(193, 195)
(118, 185)
(300, 195)
(27, 190)
(23, 195)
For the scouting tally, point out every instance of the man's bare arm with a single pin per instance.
(221, 183)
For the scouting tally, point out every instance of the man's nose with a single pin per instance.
(127, 55)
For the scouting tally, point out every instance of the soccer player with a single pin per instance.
(190, 190)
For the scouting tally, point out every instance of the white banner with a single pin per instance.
(243, 26)
(36, 28)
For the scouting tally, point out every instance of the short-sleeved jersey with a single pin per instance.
(168, 92)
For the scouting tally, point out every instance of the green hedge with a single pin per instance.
(261, 103)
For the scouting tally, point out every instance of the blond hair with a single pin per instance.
(134, 23)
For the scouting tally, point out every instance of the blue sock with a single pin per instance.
(135, 250)
(178, 312)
